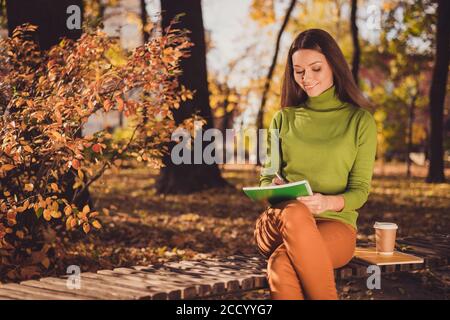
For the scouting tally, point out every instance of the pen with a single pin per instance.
(280, 177)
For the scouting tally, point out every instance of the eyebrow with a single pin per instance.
(295, 65)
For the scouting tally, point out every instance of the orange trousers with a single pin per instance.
(302, 252)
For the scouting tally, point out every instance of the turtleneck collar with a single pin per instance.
(326, 101)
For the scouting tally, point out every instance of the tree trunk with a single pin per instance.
(437, 94)
(356, 48)
(187, 178)
(101, 10)
(49, 15)
(51, 18)
(410, 136)
(144, 16)
(259, 118)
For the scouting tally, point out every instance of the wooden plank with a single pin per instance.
(138, 291)
(14, 295)
(82, 293)
(45, 293)
(113, 291)
(146, 290)
(212, 276)
(371, 256)
(248, 278)
(160, 281)
(86, 288)
(194, 277)
(260, 281)
(21, 295)
(203, 289)
(170, 292)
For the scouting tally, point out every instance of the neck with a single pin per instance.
(327, 100)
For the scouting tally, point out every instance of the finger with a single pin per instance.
(305, 198)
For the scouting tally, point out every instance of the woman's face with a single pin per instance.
(312, 71)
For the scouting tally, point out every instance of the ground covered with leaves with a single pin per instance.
(140, 227)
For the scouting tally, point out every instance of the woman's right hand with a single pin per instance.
(277, 181)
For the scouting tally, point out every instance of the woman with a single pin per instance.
(328, 138)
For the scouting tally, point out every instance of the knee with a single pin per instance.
(278, 263)
(294, 213)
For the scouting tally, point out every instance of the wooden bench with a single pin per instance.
(197, 279)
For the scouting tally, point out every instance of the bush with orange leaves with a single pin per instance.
(45, 99)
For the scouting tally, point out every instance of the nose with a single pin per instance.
(306, 78)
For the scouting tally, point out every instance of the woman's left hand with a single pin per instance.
(317, 203)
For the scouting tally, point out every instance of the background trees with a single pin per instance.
(190, 177)
(437, 93)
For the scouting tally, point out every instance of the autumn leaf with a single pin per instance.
(39, 212)
(69, 222)
(45, 262)
(97, 148)
(120, 104)
(76, 164)
(86, 209)
(93, 214)
(30, 103)
(96, 224)
(107, 105)
(7, 167)
(24, 207)
(56, 214)
(47, 214)
(54, 187)
(86, 227)
(29, 187)
(67, 210)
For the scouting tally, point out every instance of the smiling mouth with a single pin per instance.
(310, 87)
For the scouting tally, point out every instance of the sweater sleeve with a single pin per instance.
(272, 162)
(360, 176)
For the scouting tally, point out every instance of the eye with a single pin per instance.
(316, 70)
(299, 72)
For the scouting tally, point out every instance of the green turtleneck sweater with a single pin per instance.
(330, 143)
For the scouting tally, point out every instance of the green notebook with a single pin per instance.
(279, 193)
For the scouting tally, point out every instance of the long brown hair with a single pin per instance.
(346, 89)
